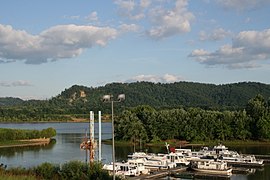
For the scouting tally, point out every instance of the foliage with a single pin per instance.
(16, 177)
(10, 101)
(74, 170)
(145, 124)
(47, 171)
(18, 173)
(22, 134)
(81, 171)
(47, 133)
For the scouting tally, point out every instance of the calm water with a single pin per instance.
(66, 147)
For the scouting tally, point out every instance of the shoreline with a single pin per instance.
(184, 144)
(64, 121)
(28, 142)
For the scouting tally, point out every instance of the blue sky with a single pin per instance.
(47, 46)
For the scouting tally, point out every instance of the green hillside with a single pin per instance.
(10, 101)
(78, 100)
(187, 94)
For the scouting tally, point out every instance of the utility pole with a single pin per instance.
(89, 144)
(92, 139)
(99, 136)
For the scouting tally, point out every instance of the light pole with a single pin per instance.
(109, 99)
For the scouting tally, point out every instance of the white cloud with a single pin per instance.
(124, 4)
(248, 50)
(63, 41)
(129, 28)
(171, 78)
(161, 20)
(15, 83)
(167, 78)
(92, 17)
(131, 9)
(169, 22)
(242, 4)
(145, 3)
(215, 35)
(72, 17)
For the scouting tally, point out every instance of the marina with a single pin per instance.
(187, 163)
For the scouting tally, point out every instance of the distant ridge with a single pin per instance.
(79, 99)
(171, 95)
(10, 101)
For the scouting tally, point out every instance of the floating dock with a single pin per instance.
(265, 158)
(159, 174)
(181, 172)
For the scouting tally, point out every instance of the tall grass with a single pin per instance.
(47, 171)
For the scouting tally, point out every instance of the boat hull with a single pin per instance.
(242, 164)
(227, 172)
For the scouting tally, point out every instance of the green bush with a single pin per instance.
(47, 171)
(19, 134)
(49, 132)
(96, 172)
(74, 170)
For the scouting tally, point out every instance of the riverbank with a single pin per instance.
(26, 142)
(235, 143)
(73, 120)
(193, 144)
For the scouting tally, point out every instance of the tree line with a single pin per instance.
(146, 124)
(22, 134)
(79, 100)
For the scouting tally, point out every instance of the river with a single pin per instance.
(66, 147)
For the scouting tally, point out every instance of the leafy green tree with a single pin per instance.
(49, 132)
(241, 125)
(256, 109)
(131, 128)
(147, 115)
(263, 125)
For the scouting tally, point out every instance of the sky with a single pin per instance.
(48, 46)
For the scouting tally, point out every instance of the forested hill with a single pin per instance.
(186, 94)
(80, 99)
(10, 101)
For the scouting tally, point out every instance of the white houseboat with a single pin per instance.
(122, 169)
(211, 167)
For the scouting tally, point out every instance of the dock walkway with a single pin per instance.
(159, 174)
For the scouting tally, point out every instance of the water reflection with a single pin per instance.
(9, 152)
(70, 138)
(262, 173)
(65, 147)
(252, 149)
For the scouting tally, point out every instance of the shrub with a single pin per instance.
(96, 172)
(47, 171)
(74, 170)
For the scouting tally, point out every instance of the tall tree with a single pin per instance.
(256, 109)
